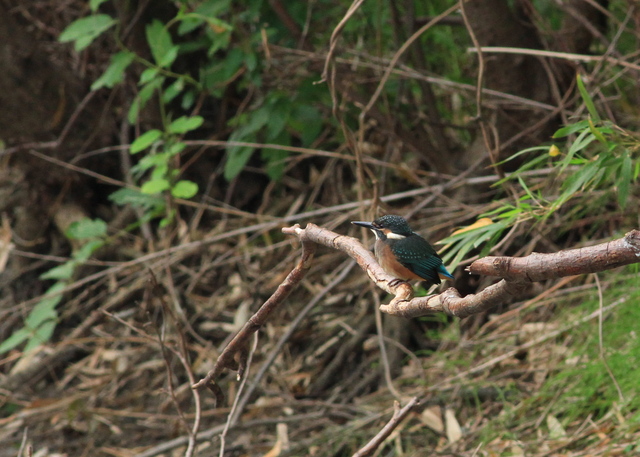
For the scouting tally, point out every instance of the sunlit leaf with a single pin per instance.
(184, 189)
(154, 186)
(145, 140)
(185, 124)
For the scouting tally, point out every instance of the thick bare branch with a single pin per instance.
(517, 273)
(540, 267)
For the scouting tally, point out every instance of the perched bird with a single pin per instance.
(403, 253)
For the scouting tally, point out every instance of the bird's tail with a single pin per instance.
(443, 273)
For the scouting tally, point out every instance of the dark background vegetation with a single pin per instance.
(174, 277)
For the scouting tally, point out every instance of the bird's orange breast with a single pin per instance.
(388, 262)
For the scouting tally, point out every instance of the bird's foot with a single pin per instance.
(396, 282)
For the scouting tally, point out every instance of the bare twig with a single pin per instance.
(557, 55)
(237, 348)
(398, 416)
(234, 413)
(601, 338)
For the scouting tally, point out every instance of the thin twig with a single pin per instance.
(601, 338)
(232, 418)
(555, 54)
(398, 416)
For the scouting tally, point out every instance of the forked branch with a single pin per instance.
(517, 274)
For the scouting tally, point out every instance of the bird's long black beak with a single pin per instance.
(368, 225)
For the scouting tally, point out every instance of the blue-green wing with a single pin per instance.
(427, 266)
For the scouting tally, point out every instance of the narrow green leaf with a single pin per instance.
(64, 271)
(86, 251)
(237, 158)
(83, 31)
(571, 129)
(588, 101)
(45, 308)
(596, 132)
(114, 74)
(185, 124)
(624, 181)
(41, 335)
(145, 140)
(184, 189)
(16, 338)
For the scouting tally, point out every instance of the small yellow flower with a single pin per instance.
(554, 151)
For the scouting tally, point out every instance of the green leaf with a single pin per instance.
(588, 101)
(87, 250)
(86, 228)
(45, 308)
(185, 124)
(143, 97)
(95, 4)
(596, 132)
(175, 148)
(173, 91)
(571, 129)
(188, 99)
(145, 140)
(148, 75)
(625, 179)
(83, 31)
(114, 74)
(155, 186)
(136, 198)
(237, 158)
(41, 335)
(162, 48)
(307, 121)
(184, 189)
(16, 338)
(64, 271)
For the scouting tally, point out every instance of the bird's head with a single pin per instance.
(389, 226)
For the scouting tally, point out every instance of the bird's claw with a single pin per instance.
(396, 282)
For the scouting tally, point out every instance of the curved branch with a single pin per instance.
(539, 267)
(517, 273)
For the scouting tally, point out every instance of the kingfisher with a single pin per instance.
(403, 253)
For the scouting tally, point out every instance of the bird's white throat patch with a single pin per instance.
(395, 236)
